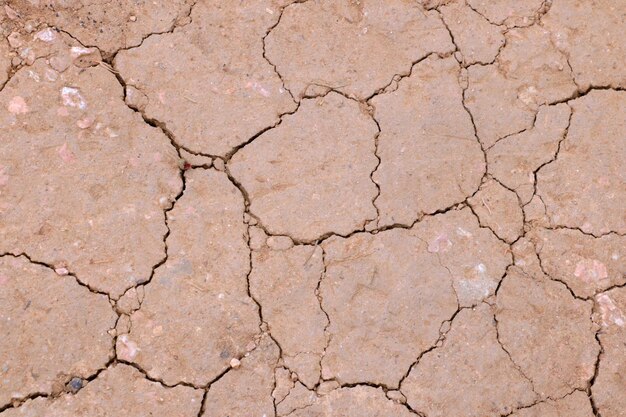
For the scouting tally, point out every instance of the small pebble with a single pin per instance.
(396, 396)
(219, 164)
(326, 387)
(11, 14)
(30, 26)
(15, 40)
(85, 122)
(165, 202)
(75, 385)
(61, 271)
(235, 363)
(279, 242)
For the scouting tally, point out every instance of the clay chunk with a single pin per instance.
(499, 209)
(548, 333)
(84, 180)
(310, 176)
(588, 265)
(352, 47)
(196, 315)
(53, 329)
(246, 390)
(470, 375)
(430, 158)
(208, 81)
(515, 159)
(475, 257)
(477, 39)
(529, 72)
(585, 186)
(589, 33)
(388, 285)
(285, 284)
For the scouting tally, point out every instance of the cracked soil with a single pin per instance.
(217, 208)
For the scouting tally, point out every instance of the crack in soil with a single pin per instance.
(536, 17)
(18, 402)
(591, 299)
(179, 21)
(269, 30)
(542, 401)
(318, 294)
(596, 370)
(54, 270)
(554, 158)
(515, 365)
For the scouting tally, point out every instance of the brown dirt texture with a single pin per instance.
(313, 208)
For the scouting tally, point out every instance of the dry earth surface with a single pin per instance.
(217, 208)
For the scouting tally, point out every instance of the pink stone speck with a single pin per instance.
(18, 105)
